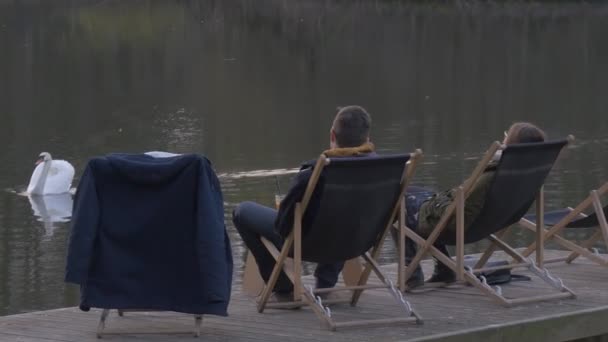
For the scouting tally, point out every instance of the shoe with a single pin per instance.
(331, 297)
(277, 297)
(442, 274)
(416, 279)
(281, 297)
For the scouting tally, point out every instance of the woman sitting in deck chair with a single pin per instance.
(425, 208)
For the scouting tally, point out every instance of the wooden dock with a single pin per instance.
(450, 314)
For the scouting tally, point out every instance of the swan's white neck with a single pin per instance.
(39, 188)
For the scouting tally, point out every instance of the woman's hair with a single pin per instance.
(524, 132)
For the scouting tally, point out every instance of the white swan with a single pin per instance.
(50, 176)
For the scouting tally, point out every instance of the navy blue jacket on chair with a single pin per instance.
(149, 233)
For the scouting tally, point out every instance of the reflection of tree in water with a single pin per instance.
(107, 25)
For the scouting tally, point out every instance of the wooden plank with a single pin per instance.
(580, 325)
(455, 313)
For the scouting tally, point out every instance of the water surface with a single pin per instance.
(253, 86)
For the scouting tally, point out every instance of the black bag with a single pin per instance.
(495, 277)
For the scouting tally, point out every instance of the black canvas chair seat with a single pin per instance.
(358, 201)
(519, 176)
(357, 196)
(517, 183)
(580, 220)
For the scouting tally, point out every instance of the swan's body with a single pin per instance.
(51, 176)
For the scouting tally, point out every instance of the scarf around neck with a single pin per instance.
(366, 148)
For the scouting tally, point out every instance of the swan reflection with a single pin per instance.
(51, 209)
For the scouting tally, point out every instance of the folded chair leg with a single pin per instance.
(585, 246)
(601, 218)
(506, 248)
(198, 322)
(540, 227)
(460, 234)
(297, 254)
(490, 250)
(102, 322)
(374, 266)
(402, 252)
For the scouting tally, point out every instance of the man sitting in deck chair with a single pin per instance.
(347, 207)
(425, 208)
(349, 136)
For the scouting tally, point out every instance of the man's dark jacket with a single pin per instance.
(148, 233)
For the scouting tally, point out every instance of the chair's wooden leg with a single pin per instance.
(531, 226)
(428, 243)
(601, 233)
(102, 322)
(506, 248)
(487, 254)
(367, 270)
(362, 281)
(402, 247)
(556, 228)
(540, 227)
(584, 246)
(576, 249)
(432, 250)
(375, 268)
(297, 254)
(198, 322)
(460, 234)
(599, 211)
(278, 267)
(601, 218)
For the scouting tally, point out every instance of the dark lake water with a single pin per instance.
(253, 85)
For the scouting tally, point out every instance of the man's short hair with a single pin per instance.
(351, 126)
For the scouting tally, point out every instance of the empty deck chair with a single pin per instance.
(359, 199)
(517, 183)
(574, 218)
(148, 234)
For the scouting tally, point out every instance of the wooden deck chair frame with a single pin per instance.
(594, 199)
(293, 266)
(466, 274)
(198, 321)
